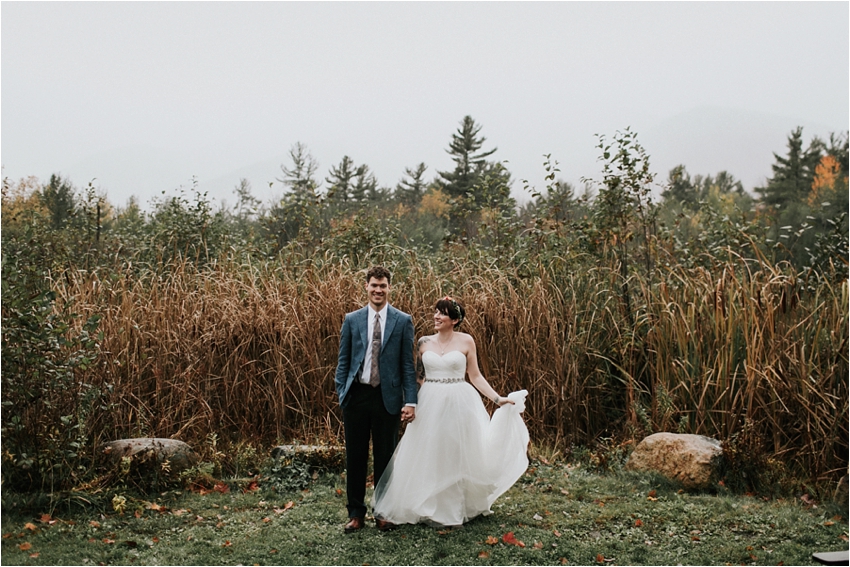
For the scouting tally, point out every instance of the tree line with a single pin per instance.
(799, 215)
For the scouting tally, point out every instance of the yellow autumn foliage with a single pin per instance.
(436, 203)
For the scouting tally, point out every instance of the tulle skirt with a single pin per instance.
(453, 460)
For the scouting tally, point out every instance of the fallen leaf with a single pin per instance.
(600, 558)
(289, 505)
(491, 540)
(837, 517)
(537, 545)
(226, 544)
(652, 493)
(483, 554)
(273, 551)
(221, 487)
(652, 499)
(155, 507)
(695, 538)
(107, 540)
(45, 518)
(844, 537)
(266, 520)
(442, 532)
(829, 523)
(565, 492)
(220, 525)
(94, 523)
(179, 512)
(252, 486)
(339, 492)
(564, 561)
(510, 539)
(34, 555)
(638, 523)
(7, 536)
(155, 539)
(25, 546)
(32, 527)
(557, 533)
(137, 513)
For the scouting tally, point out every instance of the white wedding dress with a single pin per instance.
(453, 460)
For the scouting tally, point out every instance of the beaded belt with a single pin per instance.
(445, 380)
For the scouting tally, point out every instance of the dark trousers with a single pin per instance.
(364, 416)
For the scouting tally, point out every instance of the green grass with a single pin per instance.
(562, 514)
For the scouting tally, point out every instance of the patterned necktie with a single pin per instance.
(374, 371)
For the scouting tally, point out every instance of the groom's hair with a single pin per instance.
(378, 272)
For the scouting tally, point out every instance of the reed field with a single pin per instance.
(247, 351)
(709, 313)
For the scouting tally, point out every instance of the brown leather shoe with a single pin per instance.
(384, 525)
(354, 524)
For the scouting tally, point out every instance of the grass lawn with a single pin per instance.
(558, 514)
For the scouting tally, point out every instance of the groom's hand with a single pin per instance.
(408, 414)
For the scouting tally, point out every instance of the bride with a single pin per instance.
(454, 460)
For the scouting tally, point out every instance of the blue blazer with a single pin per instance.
(398, 374)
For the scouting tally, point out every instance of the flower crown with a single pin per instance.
(457, 309)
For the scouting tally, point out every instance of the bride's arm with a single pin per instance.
(477, 379)
(420, 368)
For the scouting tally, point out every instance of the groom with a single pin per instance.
(376, 384)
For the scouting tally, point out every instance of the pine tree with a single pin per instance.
(58, 196)
(469, 162)
(340, 181)
(365, 186)
(410, 191)
(300, 178)
(792, 175)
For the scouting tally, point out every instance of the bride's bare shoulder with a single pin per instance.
(465, 337)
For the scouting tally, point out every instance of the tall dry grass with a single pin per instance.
(248, 350)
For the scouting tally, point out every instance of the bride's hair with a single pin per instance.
(451, 308)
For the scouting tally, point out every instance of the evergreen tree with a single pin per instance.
(469, 161)
(58, 196)
(792, 175)
(410, 190)
(680, 189)
(340, 181)
(365, 185)
(300, 178)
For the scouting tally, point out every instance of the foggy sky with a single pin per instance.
(143, 96)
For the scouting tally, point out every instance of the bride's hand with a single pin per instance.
(500, 401)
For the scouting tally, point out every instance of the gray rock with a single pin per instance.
(179, 454)
(689, 459)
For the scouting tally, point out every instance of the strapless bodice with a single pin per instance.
(448, 367)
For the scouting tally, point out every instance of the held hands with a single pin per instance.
(408, 414)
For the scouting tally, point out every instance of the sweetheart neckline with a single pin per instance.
(442, 355)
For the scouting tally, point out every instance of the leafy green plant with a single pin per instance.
(287, 474)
